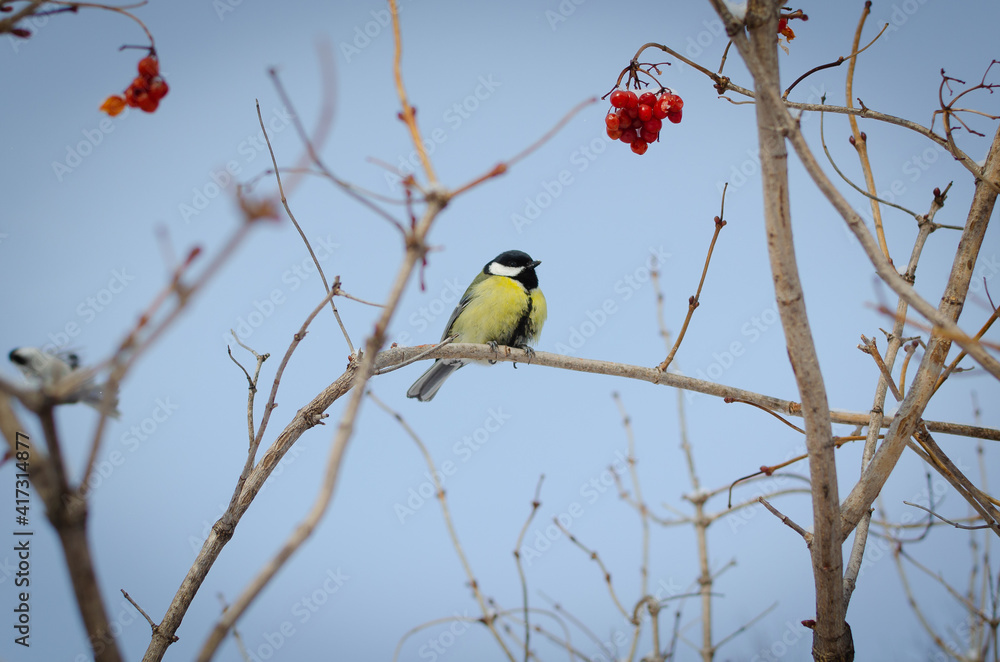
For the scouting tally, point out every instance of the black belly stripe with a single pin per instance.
(520, 335)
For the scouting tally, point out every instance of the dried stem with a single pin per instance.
(298, 228)
(787, 521)
(397, 355)
(695, 300)
(639, 502)
(860, 140)
(488, 617)
(535, 503)
(344, 433)
(595, 557)
(831, 636)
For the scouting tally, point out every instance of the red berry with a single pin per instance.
(674, 116)
(618, 98)
(148, 104)
(611, 121)
(645, 112)
(131, 96)
(158, 88)
(659, 112)
(649, 136)
(629, 136)
(631, 100)
(653, 125)
(647, 98)
(676, 102)
(614, 134)
(632, 111)
(149, 66)
(141, 83)
(640, 146)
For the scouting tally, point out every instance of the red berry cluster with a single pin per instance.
(639, 117)
(144, 92)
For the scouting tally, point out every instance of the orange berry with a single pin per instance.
(113, 105)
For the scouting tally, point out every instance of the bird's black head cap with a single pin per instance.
(514, 264)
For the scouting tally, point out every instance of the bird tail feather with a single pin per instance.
(426, 387)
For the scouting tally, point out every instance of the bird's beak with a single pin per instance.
(535, 264)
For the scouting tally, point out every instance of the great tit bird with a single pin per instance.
(503, 306)
(43, 370)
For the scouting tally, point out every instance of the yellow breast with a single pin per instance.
(495, 310)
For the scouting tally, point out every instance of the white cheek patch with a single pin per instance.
(498, 269)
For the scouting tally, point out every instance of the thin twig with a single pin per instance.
(535, 503)
(859, 140)
(595, 557)
(695, 300)
(836, 63)
(138, 608)
(946, 520)
(418, 357)
(298, 228)
(640, 503)
(488, 617)
(746, 626)
(538, 358)
(869, 347)
(503, 166)
(962, 354)
(787, 521)
(829, 157)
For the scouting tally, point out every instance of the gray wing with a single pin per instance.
(462, 304)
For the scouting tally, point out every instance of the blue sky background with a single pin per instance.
(67, 235)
